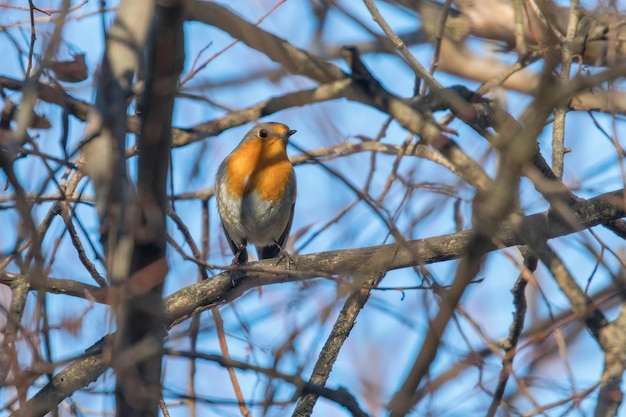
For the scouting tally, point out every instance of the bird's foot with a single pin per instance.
(284, 255)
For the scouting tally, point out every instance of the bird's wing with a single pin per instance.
(239, 251)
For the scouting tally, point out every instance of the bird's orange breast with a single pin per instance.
(261, 166)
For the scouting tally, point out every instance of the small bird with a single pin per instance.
(255, 189)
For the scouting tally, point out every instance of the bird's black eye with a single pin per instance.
(262, 133)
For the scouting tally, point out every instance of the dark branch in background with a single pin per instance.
(219, 289)
(340, 396)
(461, 164)
(140, 318)
(516, 327)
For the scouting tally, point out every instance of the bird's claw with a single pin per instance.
(284, 255)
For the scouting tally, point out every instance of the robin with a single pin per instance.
(255, 189)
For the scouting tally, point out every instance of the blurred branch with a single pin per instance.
(37, 277)
(140, 317)
(613, 341)
(105, 163)
(341, 396)
(133, 230)
(494, 20)
(55, 285)
(594, 319)
(515, 329)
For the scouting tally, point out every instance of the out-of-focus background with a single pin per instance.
(358, 186)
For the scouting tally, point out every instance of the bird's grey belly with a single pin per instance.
(263, 221)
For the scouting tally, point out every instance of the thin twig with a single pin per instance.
(221, 337)
(515, 329)
(558, 130)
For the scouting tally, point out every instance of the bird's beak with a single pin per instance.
(289, 133)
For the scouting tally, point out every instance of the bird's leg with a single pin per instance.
(283, 254)
(232, 279)
(241, 256)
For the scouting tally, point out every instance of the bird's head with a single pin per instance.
(270, 133)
